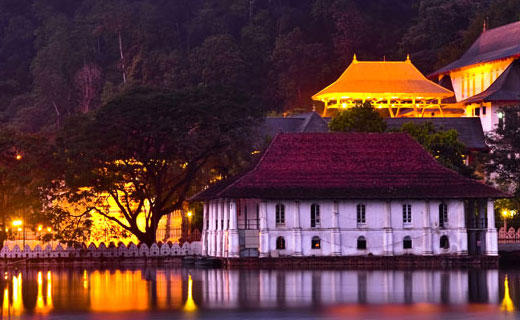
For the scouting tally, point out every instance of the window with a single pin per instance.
(207, 224)
(477, 112)
(484, 110)
(361, 243)
(407, 242)
(315, 215)
(407, 213)
(280, 214)
(316, 243)
(443, 215)
(216, 224)
(445, 242)
(361, 218)
(280, 243)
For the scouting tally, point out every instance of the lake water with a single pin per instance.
(180, 293)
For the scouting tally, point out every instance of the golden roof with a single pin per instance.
(382, 79)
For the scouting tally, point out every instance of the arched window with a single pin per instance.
(407, 242)
(445, 242)
(443, 215)
(407, 213)
(280, 214)
(315, 215)
(316, 243)
(361, 243)
(280, 243)
(361, 218)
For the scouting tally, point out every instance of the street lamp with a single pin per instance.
(507, 214)
(189, 214)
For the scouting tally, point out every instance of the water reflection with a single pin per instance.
(42, 292)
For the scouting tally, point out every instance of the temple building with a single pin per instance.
(396, 86)
(487, 76)
(343, 194)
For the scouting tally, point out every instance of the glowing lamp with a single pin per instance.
(49, 229)
(40, 227)
(18, 157)
(344, 105)
(189, 214)
(19, 229)
(17, 223)
(500, 114)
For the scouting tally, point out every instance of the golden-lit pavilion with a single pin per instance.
(397, 86)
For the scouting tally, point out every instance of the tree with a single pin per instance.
(147, 150)
(22, 168)
(360, 118)
(503, 162)
(443, 145)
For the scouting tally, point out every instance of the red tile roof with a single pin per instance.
(348, 166)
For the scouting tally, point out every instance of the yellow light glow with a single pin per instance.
(508, 213)
(19, 229)
(40, 227)
(255, 152)
(17, 223)
(189, 214)
(344, 105)
(49, 229)
(49, 290)
(507, 302)
(18, 157)
(190, 305)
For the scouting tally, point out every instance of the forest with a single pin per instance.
(60, 58)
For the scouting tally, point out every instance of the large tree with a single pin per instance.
(147, 150)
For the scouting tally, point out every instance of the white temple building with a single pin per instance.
(345, 194)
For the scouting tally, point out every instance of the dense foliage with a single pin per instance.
(61, 57)
(360, 118)
(147, 150)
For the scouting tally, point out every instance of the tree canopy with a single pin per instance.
(360, 118)
(147, 150)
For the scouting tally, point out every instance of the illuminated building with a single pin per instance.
(396, 86)
(487, 75)
(343, 194)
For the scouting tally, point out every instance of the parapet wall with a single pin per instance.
(102, 251)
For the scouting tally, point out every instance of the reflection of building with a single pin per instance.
(396, 86)
(292, 289)
(323, 194)
(487, 76)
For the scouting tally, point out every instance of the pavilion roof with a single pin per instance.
(494, 44)
(348, 166)
(382, 79)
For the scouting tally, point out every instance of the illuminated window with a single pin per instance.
(280, 243)
(315, 243)
(280, 214)
(361, 243)
(315, 215)
(361, 217)
(407, 242)
(443, 215)
(407, 213)
(445, 242)
(473, 85)
(482, 82)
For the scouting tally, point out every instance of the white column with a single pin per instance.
(225, 233)
(264, 231)
(297, 231)
(220, 216)
(233, 244)
(205, 229)
(427, 231)
(491, 234)
(388, 237)
(335, 235)
(462, 237)
(211, 232)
